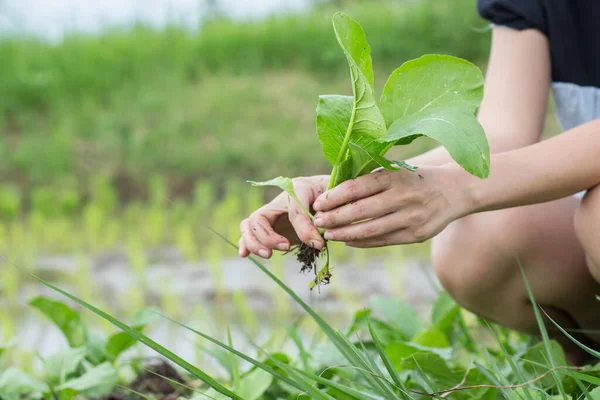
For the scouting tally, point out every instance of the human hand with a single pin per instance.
(282, 222)
(392, 207)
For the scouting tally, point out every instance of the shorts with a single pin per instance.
(580, 194)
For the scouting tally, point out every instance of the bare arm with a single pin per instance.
(516, 93)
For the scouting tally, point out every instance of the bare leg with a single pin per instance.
(475, 259)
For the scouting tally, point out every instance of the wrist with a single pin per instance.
(467, 197)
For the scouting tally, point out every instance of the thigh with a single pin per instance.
(480, 256)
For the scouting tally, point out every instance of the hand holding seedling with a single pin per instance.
(281, 224)
(434, 96)
(392, 207)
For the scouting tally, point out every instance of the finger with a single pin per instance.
(264, 233)
(368, 229)
(351, 190)
(242, 249)
(371, 207)
(403, 236)
(252, 244)
(303, 225)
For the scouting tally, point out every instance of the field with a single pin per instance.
(119, 151)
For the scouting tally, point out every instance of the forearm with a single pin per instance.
(545, 171)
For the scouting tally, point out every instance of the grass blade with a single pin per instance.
(243, 356)
(143, 339)
(589, 350)
(347, 350)
(235, 370)
(388, 363)
(544, 332)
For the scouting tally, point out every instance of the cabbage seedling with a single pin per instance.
(434, 96)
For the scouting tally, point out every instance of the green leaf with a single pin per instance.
(536, 362)
(98, 381)
(431, 337)
(388, 364)
(287, 185)
(144, 339)
(16, 382)
(440, 375)
(366, 118)
(120, 342)
(456, 128)
(436, 96)
(255, 384)
(96, 349)
(431, 82)
(398, 313)
(64, 317)
(444, 313)
(340, 341)
(59, 366)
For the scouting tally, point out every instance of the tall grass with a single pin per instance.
(226, 101)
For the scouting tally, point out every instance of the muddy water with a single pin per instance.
(203, 294)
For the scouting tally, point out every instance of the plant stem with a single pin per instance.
(343, 150)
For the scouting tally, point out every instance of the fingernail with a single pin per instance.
(283, 246)
(317, 205)
(263, 253)
(328, 235)
(319, 222)
(316, 245)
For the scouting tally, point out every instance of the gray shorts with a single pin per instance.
(580, 194)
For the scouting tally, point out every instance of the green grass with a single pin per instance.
(226, 101)
(384, 354)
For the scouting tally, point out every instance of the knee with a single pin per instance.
(587, 228)
(463, 256)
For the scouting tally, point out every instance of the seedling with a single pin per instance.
(434, 96)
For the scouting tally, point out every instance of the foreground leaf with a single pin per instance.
(16, 382)
(455, 128)
(287, 185)
(398, 313)
(98, 381)
(436, 96)
(144, 339)
(60, 365)
(366, 118)
(64, 317)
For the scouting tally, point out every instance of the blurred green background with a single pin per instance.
(118, 148)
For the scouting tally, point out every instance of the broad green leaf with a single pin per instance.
(333, 118)
(435, 368)
(595, 394)
(430, 82)
(96, 348)
(255, 384)
(444, 313)
(120, 342)
(16, 382)
(536, 362)
(98, 381)
(456, 128)
(431, 337)
(436, 96)
(366, 118)
(398, 313)
(59, 366)
(64, 317)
